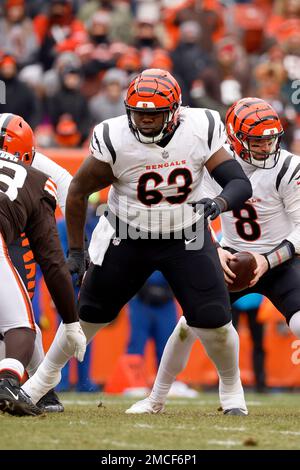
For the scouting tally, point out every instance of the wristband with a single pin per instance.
(280, 254)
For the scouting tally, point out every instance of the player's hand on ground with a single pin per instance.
(261, 269)
(76, 339)
(225, 256)
(77, 262)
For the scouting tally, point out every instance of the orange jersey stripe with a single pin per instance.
(28, 256)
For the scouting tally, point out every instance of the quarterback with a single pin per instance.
(268, 225)
(154, 157)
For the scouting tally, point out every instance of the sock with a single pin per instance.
(10, 367)
(222, 346)
(38, 353)
(173, 361)
(48, 374)
(295, 324)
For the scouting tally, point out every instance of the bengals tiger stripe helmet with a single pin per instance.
(16, 137)
(154, 90)
(253, 118)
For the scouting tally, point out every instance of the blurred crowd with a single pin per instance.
(67, 63)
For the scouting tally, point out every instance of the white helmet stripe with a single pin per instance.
(4, 119)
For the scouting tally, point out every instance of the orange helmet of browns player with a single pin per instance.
(251, 122)
(153, 91)
(16, 137)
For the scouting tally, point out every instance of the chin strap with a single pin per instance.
(282, 253)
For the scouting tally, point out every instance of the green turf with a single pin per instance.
(273, 423)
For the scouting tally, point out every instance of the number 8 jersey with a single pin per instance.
(154, 183)
(273, 212)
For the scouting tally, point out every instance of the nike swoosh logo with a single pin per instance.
(16, 397)
(189, 241)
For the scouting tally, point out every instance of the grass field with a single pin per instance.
(273, 423)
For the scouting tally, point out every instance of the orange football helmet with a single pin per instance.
(154, 90)
(16, 137)
(254, 119)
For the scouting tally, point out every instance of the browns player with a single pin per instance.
(154, 157)
(16, 137)
(27, 204)
(268, 225)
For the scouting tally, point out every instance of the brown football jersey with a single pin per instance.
(27, 204)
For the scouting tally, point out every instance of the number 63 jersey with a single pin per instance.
(154, 183)
(273, 212)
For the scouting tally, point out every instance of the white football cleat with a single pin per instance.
(145, 406)
(232, 399)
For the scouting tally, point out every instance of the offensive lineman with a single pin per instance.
(154, 158)
(268, 225)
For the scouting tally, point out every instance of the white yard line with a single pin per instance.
(221, 428)
(173, 402)
(127, 445)
(228, 443)
(290, 433)
(81, 402)
(144, 425)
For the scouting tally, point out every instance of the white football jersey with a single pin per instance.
(273, 212)
(58, 174)
(154, 184)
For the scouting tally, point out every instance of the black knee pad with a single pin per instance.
(95, 314)
(209, 316)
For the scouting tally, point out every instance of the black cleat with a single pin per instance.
(50, 403)
(15, 401)
(236, 412)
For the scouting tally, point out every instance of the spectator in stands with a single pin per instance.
(51, 78)
(232, 70)
(20, 99)
(130, 61)
(69, 100)
(17, 33)
(109, 102)
(58, 31)
(188, 59)
(121, 18)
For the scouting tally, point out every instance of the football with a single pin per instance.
(244, 268)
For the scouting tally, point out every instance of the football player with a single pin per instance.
(16, 137)
(27, 203)
(154, 158)
(268, 225)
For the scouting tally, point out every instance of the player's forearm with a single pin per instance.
(59, 284)
(236, 186)
(76, 208)
(279, 255)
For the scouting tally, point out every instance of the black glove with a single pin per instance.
(78, 262)
(212, 207)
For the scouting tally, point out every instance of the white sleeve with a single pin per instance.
(100, 144)
(58, 174)
(289, 190)
(216, 135)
